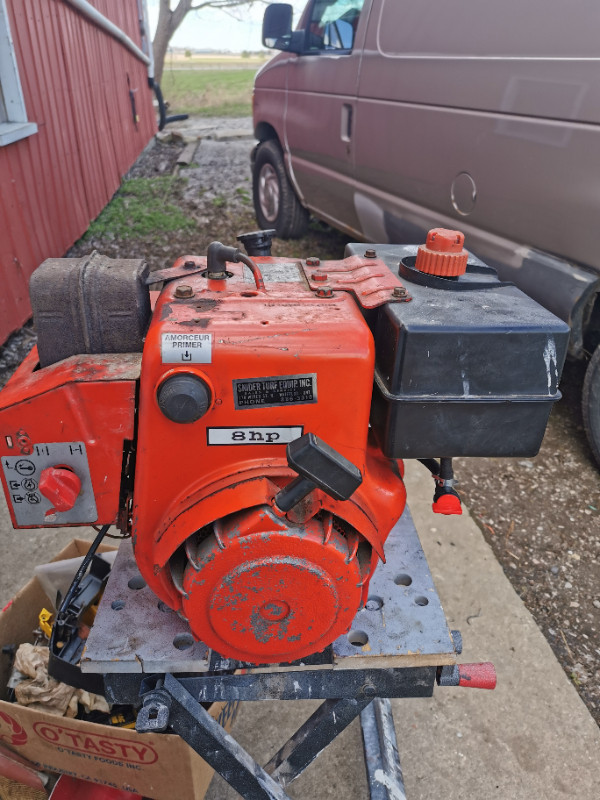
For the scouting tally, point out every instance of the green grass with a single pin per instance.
(244, 195)
(139, 208)
(218, 92)
(202, 62)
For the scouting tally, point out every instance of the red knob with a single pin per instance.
(61, 486)
(447, 504)
(442, 254)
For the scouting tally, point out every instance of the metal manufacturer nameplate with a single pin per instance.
(279, 390)
(281, 273)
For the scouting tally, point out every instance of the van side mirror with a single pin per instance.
(277, 29)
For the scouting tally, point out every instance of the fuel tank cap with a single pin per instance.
(443, 253)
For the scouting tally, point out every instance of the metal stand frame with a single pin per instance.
(409, 649)
(174, 705)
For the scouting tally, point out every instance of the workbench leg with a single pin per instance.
(310, 739)
(194, 725)
(384, 772)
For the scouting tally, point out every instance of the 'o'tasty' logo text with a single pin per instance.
(11, 731)
(96, 744)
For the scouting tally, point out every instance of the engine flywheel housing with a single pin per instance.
(262, 590)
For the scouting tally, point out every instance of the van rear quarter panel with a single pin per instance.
(508, 93)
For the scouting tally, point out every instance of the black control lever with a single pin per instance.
(317, 465)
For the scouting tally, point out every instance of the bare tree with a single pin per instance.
(170, 17)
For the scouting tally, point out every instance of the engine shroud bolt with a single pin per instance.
(324, 292)
(184, 291)
(313, 262)
(400, 293)
(319, 276)
(370, 253)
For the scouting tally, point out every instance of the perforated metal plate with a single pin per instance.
(403, 615)
(135, 632)
(403, 623)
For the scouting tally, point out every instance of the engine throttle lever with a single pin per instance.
(318, 465)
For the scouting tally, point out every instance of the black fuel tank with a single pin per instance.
(469, 367)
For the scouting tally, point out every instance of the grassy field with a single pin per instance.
(209, 92)
(221, 60)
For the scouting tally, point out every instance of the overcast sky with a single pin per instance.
(218, 30)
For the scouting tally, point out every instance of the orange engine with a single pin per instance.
(232, 375)
(244, 424)
(191, 450)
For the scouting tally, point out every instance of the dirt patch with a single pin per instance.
(541, 516)
(214, 193)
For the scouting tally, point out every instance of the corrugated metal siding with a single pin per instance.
(52, 184)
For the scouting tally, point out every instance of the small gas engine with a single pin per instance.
(245, 424)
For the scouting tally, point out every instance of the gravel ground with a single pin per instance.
(541, 516)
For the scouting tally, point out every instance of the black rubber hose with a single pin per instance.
(162, 109)
(431, 464)
(446, 470)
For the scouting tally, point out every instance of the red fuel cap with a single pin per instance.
(443, 254)
(61, 486)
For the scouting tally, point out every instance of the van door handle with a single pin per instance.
(346, 128)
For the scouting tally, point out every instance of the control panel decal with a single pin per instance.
(22, 474)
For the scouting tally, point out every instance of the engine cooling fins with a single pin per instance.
(258, 588)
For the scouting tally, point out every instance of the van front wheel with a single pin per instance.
(590, 403)
(275, 202)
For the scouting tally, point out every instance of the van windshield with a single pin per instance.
(333, 24)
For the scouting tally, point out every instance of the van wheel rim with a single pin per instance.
(268, 192)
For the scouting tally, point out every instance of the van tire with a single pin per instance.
(590, 403)
(275, 202)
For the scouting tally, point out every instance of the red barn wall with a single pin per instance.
(74, 78)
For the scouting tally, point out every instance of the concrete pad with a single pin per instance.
(530, 738)
(22, 550)
(194, 129)
(230, 134)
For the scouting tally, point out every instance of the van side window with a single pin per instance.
(333, 25)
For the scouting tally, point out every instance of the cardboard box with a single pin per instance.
(159, 766)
